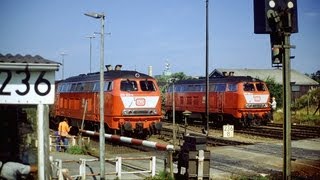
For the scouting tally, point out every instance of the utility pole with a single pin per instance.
(90, 37)
(207, 70)
(62, 55)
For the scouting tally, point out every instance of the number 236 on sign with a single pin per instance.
(26, 87)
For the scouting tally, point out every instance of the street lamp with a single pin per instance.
(63, 54)
(90, 37)
(172, 80)
(186, 114)
(101, 137)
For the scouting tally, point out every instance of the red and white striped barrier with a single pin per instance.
(151, 144)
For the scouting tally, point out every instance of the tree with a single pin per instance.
(275, 90)
(164, 82)
(316, 76)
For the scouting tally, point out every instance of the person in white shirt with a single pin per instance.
(273, 105)
(13, 170)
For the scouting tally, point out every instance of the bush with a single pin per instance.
(161, 176)
(77, 150)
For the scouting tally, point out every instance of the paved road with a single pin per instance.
(226, 162)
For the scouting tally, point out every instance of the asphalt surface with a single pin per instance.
(260, 159)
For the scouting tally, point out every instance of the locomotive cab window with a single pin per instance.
(232, 87)
(147, 85)
(108, 86)
(248, 87)
(261, 87)
(127, 85)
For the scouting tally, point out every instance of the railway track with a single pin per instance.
(271, 130)
(276, 131)
(167, 134)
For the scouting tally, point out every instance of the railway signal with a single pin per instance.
(277, 50)
(279, 19)
(272, 15)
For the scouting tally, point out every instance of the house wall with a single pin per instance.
(18, 135)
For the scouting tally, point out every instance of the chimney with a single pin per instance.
(150, 70)
(231, 73)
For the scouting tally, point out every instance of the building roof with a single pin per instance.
(264, 74)
(19, 62)
(9, 58)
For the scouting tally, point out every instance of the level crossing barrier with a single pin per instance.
(155, 145)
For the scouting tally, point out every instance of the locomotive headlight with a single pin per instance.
(152, 112)
(125, 112)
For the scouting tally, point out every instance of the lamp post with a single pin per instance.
(186, 114)
(62, 55)
(173, 113)
(101, 136)
(207, 70)
(90, 37)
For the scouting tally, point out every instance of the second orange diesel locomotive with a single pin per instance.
(232, 99)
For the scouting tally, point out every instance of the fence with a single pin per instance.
(55, 142)
(61, 173)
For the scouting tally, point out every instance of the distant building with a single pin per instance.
(301, 83)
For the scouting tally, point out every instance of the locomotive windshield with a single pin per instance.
(261, 87)
(146, 85)
(248, 87)
(127, 85)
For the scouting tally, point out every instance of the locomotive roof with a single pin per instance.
(233, 79)
(111, 75)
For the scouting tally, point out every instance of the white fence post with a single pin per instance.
(118, 167)
(153, 166)
(60, 176)
(200, 164)
(82, 169)
(50, 143)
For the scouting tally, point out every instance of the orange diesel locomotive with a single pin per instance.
(131, 102)
(232, 100)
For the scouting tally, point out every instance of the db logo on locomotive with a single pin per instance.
(140, 101)
(256, 98)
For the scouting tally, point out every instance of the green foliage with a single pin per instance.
(315, 76)
(275, 90)
(256, 177)
(312, 98)
(164, 82)
(163, 175)
(77, 150)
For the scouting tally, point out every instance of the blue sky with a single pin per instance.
(143, 33)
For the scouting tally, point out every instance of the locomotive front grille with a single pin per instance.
(139, 112)
(258, 106)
